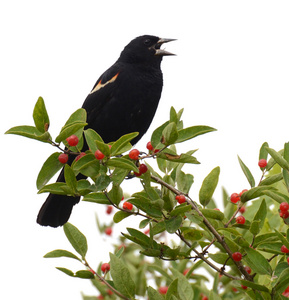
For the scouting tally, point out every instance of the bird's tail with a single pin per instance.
(56, 210)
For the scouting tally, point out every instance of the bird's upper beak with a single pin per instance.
(157, 47)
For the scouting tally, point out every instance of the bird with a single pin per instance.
(123, 100)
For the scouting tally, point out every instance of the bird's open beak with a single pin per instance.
(162, 52)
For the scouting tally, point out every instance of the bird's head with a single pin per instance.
(145, 48)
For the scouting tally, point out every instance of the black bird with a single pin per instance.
(123, 100)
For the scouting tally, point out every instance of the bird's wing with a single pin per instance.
(102, 92)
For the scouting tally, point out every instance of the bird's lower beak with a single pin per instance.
(162, 52)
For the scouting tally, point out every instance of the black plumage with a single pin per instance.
(123, 100)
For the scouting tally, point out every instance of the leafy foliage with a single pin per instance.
(205, 237)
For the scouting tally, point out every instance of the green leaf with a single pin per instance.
(76, 239)
(286, 172)
(40, 116)
(29, 132)
(257, 262)
(84, 274)
(91, 136)
(51, 166)
(263, 154)
(279, 197)
(282, 238)
(191, 132)
(153, 294)
(61, 253)
(172, 293)
(120, 215)
(75, 122)
(157, 135)
(182, 158)
(170, 134)
(66, 271)
(278, 158)
(180, 209)
(152, 208)
(261, 214)
(57, 188)
(87, 165)
(115, 194)
(247, 173)
(254, 286)
(212, 213)
(184, 182)
(121, 277)
(220, 258)
(192, 234)
(121, 162)
(255, 192)
(122, 143)
(173, 224)
(70, 178)
(272, 179)
(282, 281)
(98, 197)
(141, 238)
(208, 186)
(185, 289)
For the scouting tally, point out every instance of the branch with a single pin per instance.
(219, 238)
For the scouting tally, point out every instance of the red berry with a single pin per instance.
(163, 290)
(99, 155)
(137, 174)
(237, 256)
(240, 220)
(181, 199)
(284, 206)
(133, 154)
(147, 231)
(248, 269)
(235, 198)
(284, 214)
(244, 287)
(284, 249)
(108, 231)
(243, 192)
(150, 146)
(205, 298)
(156, 150)
(105, 267)
(185, 272)
(63, 158)
(262, 163)
(142, 168)
(72, 140)
(242, 209)
(109, 209)
(79, 156)
(127, 205)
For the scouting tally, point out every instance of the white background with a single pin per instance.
(231, 72)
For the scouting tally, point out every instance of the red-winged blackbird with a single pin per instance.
(123, 100)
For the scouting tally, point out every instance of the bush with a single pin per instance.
(243, 248)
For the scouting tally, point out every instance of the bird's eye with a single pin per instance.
(147, 42)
